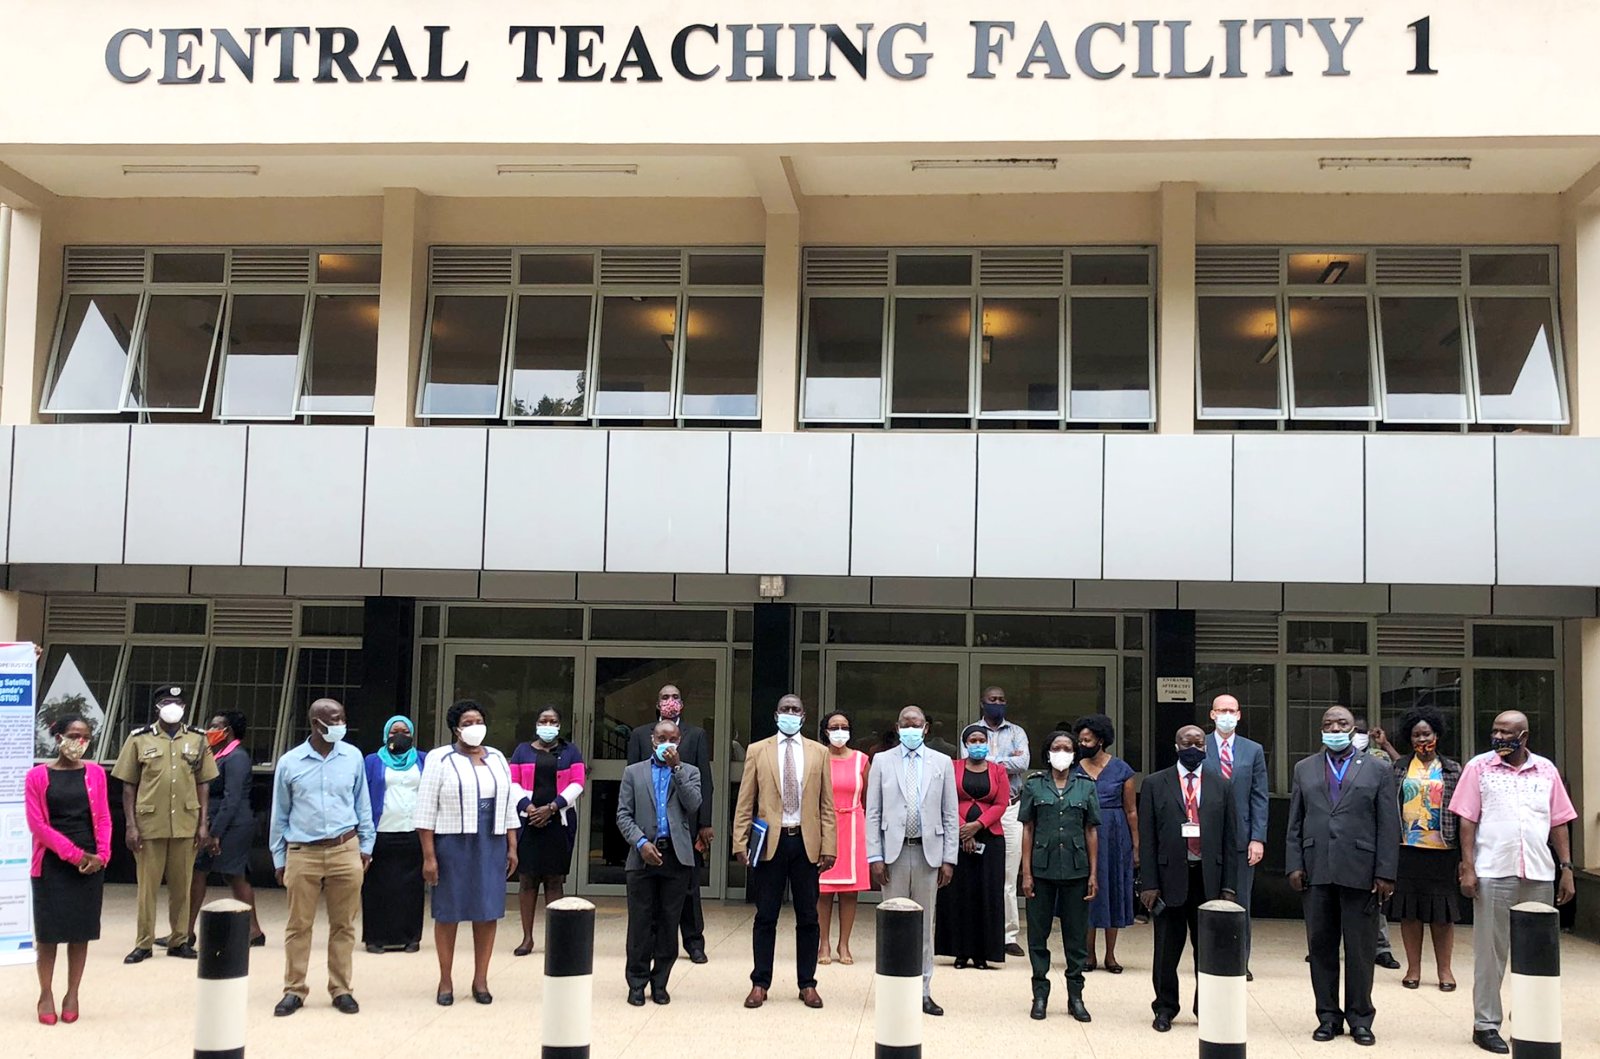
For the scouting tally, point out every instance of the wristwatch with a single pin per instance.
(1564, 865)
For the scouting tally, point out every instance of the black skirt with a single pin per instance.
(392, 893)
(233, 858)
(970, 919)
(544, 851)
(66, 903)
(1427, 889)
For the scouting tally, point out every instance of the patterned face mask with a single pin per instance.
(74, 749)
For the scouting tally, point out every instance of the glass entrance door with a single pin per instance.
(874, 686)
(1045, 692)
(514, 684)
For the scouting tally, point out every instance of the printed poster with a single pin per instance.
(17, 680)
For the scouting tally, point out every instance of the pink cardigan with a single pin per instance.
(46, 837)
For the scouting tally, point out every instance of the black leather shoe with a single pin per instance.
(1076, 1009)
(930, 1008)
(698, 956)
(660, 996)
(1490, 1041)
(413, 947)
(1363, 1035)
(1037, 1011)
(1249, 975)
(376, 950)
(1327, 1031)
(444, 1000)
(288, 1005)
(258, 942)
(1161, 1023)
(1013, 949)
(482, 996)
(183, 952)
(346, 1004)
(1386, 960)
(138, 956)
(636, 997)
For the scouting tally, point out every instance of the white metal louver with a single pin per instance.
(847, 268)
(105, 264)
(271, 265)
(1237, 266)
(265, 618)
(1420, 636)
(1419, 265)
(466, 265)
(641, 268)
(1236, 634)
(85, 616)
(1022, 268)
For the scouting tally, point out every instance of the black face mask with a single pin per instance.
(1191, 757)
(1080, 751)
(1506, 747)
(399, 744)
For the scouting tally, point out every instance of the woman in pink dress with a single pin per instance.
(848, 876)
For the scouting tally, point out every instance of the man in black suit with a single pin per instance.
(1343, 853)
(695, 750)
(1187, 826)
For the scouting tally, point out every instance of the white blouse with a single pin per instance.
(447, 803)
(400, 789)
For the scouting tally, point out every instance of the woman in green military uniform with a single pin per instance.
(1060, 815)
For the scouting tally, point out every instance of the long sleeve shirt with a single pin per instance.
(316, 798)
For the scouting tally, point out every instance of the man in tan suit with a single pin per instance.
(787, 785)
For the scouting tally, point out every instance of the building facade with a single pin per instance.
(1120, 359)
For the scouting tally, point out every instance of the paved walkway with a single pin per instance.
(147, 1010)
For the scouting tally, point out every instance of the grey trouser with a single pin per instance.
(1383, 934)
(910, 876)
(1011, 827)
(1491, 941)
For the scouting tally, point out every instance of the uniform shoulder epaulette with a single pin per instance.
(1038, 774)
(148, 729)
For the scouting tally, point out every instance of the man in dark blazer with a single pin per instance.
(1343, 852)
(1245, 763)
(695, 750)
(1188, 856)
(657, 807)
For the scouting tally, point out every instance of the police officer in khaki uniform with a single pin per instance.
(166, 769)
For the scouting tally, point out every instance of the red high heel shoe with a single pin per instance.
(47, 1018)
(69, 1017)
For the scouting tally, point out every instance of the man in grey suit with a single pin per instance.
(913, 828)
(1343, 852)
(1243, 762)
(657, 810)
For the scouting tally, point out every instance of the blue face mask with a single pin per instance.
(789, 723)
(1335, 741)
(911, 738)
(662, 749)
(547, 733)
(978, 751)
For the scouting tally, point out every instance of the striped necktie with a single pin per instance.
(1227, 759)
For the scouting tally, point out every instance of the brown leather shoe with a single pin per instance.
(809, 995)
(757, 997)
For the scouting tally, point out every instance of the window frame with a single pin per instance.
(856, 294)
(142, 341)
(257, 290)
(1229, 415)
(425, 365)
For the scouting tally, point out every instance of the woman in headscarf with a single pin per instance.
(970, 922)
(392, 893)
(551, 770)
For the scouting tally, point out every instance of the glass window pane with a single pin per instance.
(513, 690)
(1328, 637)
(1329, 269)
(1131, 742)
(811, 627)
(1312, 690)
(326, 673)
(1021, 355)
(516, 623)
(1044, 630)
(1331, 344)
(932, 355)
(725, 270)
(250, 680)
(1133, 633)
(550, 356)
(1422, 358)
(1515, 343)
(188, 268)
(1109, 269)
(844, 359)
(349, 268)
(170, 619)
(427, 715)
(1255, 688)
(744, 627)
(180, 331)
(1528, 691)
(1517, 270)
(681, 626)
(332, 619)
(891, 627)
(637, 342)
(1513, 641)
(464, 344)
(1239, 356)
(556, 268)
(1406, 688)
(933, 270)
(430, 621)
(1044, 699)
(263, 355)
(1109, 360)
(152, 667)
(721, 357)
(342, 364)
(873, 693)
(76, 679)
(93, 352)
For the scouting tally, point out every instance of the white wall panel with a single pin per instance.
(1297, 508)
(1547, 510)
(69, 493)
(303, 492)
(1039, 505)
(1430, 509)
(424, 505)
(1168, 505)
(185, 494)
(667, 502)
(789, 504)
(546, 501)
(913, 506)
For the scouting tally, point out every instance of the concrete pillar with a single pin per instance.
(1583, 747)
(1175, 311)
(402, 306)
(1580, 301)
(22, 370)
(780, 323)
(21, 617)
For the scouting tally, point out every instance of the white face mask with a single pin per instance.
(1360, 740)
(334, 733)
(1227, 722)
(473, 734)
(839, 736)
(171, 712)
(1061, 760)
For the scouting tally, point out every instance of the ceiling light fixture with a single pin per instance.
(1269, 354)
(1395, 163)
(174, 169)
(1334, 272)
(567, 169)
(982, 163)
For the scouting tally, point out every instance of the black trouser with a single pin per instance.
(791, 865)
(1333, 912)
(655, 901)
(1063, 900)
(693, 922)
(1172, 926)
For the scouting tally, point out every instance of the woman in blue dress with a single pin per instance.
(1113, 906)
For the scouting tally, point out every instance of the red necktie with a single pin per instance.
(1191, 805)
(1227, 760)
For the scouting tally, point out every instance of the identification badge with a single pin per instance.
(1191, 830)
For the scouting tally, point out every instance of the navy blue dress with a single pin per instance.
(472, 873)
(1112, 908)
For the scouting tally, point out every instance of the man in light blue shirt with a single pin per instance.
(321, 841)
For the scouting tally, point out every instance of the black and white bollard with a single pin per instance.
(1220, 961)
(898, 983)
(568, 1014)
(224, 991)
(1535, 981)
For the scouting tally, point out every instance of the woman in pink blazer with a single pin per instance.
(70, 821)
(969, 923)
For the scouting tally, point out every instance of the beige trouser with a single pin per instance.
(174, 858)
(309, 873)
